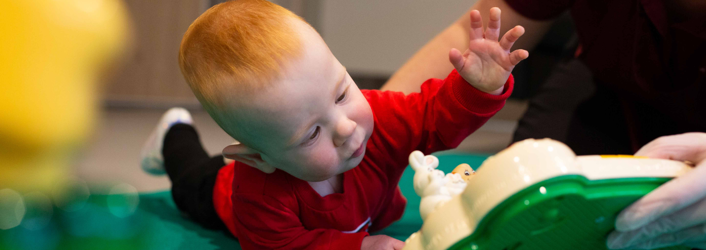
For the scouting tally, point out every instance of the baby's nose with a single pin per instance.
(344, 130)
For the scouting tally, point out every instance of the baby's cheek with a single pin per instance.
(367, 118)
(361, 113)
(323, 160)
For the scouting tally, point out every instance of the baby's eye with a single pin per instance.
(314, 135)
(341, 97)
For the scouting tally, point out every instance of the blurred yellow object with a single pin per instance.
(53, 53)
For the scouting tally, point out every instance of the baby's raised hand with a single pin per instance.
(487, 63)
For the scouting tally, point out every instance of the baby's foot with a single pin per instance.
(152, 160)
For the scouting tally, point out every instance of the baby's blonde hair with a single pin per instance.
(236, 47)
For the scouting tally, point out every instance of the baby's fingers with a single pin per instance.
(476, 31)
(493, 31)
(517, 56)
(511, 37)
(456, 59)
(397, 244)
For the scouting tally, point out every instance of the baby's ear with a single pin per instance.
(247, 155)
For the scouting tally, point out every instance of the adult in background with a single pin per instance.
(639, 73)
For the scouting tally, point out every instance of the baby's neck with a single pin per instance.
(330, 186)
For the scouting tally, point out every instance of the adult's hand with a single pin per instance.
(674, 213)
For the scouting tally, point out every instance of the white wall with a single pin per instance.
(377, 36)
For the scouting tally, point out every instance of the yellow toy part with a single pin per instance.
(52, 55)
(465, 171)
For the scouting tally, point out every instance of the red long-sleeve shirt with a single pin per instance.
(270, 211)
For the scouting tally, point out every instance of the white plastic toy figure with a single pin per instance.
(431, 184)
(530, 168)
(465, 171)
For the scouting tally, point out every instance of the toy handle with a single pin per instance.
(628, 166)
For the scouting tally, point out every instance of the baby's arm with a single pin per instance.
(447, 111)
(268, 224)
(265, 223)
(438, 118)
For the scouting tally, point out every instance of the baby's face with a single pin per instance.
(314, 122)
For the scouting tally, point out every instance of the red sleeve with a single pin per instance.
(540, 9)
(265, 223)
(438, 118)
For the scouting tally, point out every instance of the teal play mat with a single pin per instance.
(107, 222)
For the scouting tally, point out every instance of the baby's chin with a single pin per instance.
(318, 178)
(354, 162)
(345, 166)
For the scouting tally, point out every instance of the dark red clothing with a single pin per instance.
(280, 211)
(657, 66)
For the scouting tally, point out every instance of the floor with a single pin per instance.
(112, 157)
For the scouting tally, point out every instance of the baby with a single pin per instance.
(318, 160)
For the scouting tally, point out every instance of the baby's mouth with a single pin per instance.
(359, 151)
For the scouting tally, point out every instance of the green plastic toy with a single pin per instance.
(536, 194)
